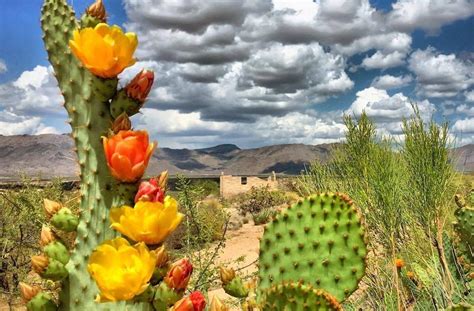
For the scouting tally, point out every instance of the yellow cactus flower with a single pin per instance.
(149, 222)
(105, 50)
(120, 270)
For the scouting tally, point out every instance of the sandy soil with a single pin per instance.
(242, 242)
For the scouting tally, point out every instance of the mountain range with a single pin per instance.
(51, 155)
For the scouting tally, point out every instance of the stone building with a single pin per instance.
(231, 185)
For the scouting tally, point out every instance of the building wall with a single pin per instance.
(232, 185)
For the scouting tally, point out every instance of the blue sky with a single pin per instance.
(263, 72)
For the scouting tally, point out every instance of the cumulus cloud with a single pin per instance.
(440, 75)
(11, 124)
(464, 130)
(431, 15)
(391, 82)
(469, 96)
(175, 129)
(379, 60)
(35, 92)
(387, 111)
(3, 66)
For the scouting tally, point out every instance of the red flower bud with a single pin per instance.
(179, 274)
(194, 302)
(140, 86)
(150, 191)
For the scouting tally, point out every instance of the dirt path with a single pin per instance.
(240, 243)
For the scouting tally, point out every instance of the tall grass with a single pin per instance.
(405, 190)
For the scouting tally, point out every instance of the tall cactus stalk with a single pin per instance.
(98, 115)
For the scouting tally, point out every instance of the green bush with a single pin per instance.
(405, 190)
(264, 216)
(21, 219)
(258, 199)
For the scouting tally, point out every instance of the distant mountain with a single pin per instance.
(51, 155)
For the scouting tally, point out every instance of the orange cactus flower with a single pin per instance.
(127, 154)
(399, 263)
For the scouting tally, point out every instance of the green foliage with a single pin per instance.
(205, 222)
(319, 241)
(264, 216)
(21, 219)
(406, 195)
(258, 199)
(297, 296)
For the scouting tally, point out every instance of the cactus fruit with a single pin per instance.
(319, 241)
(298, 296)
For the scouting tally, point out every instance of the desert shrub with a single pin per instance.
(204, 218)
(21, 219)
(405, 190)
(207, 186)
(205, 221)
(258, 199)
(264, 216)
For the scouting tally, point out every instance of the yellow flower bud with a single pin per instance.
(39, 263)
(161, 256)
(227, 275)
(97, 10)
(51, 207)
(47, 236)
(163, 180)
(28, 292)
(217, 305)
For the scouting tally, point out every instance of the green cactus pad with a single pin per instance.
(319, 241)
(298, 296)
(465, 224)
(41, 302)
(122, 103)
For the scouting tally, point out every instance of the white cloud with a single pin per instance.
(3, 66)
(467, 110)
(391, 82)
(387, 111)
(440, 75)
(379, 60)
(35, 92)
(464, 131)
(178, 130)
(11, 124)
(431, 15)
(469, 96)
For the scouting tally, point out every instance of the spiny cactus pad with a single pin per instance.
(298, 296)
(465, 224)
(319, 241)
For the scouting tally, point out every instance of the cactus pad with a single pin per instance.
(319, 241)
(297, 296)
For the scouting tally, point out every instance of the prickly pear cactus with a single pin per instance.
(298, 297)
(105, 271)
(319, 241)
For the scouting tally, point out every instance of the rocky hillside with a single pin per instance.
(51, 155)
